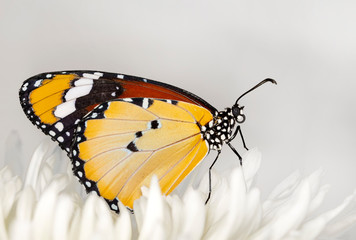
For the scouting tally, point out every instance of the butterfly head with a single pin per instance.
(237, 112)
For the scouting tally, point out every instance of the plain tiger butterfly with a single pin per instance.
(120, 130)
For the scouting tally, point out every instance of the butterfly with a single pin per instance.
(120, 130)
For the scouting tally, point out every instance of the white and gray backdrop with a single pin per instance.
(217, 50)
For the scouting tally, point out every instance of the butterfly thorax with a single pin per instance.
(219, 129)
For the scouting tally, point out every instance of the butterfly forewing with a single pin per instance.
(55, 102)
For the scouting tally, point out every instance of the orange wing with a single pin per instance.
(121, 144)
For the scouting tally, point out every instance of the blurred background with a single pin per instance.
(217, 50)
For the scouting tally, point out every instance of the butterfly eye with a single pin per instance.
(240, 118)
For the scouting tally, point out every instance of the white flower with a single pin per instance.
(45, 205)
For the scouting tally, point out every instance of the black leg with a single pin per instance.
(235, 151)
(238, 129)
(211, 166)
(242, 138)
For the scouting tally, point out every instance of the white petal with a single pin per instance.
(232, 206)
(5, 175)
(289, 214)
(156, 224)
(192, 215)
(253, 215)
(10, 190)
(62, 217)
(320, 223)
(251, 164)
(3, 230)
(35, 164)
(104, 222)
(123, 227)
(43, 217)
(26, 204)
(87, 219)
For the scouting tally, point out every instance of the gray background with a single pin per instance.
(217, 50)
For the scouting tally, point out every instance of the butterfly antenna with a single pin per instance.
(258, 85)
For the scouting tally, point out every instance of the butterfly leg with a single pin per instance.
(242, 138)
(238, 130)
(211, 166)
(235, 151)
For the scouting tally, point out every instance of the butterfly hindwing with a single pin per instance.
(122, 143)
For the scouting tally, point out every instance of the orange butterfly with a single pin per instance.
(120, 130)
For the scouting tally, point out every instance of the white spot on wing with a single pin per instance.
(64, 109)
(59, 126)
(49, 75)
(77, 92)
(52, 133)
(120, 76)
(145, 103)
(38, 83)
(83, 81)
(99, 74)
(88, 75)
(60, 139)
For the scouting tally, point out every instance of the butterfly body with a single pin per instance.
(120, 130)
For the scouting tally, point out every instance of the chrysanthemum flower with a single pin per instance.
(46, 205)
